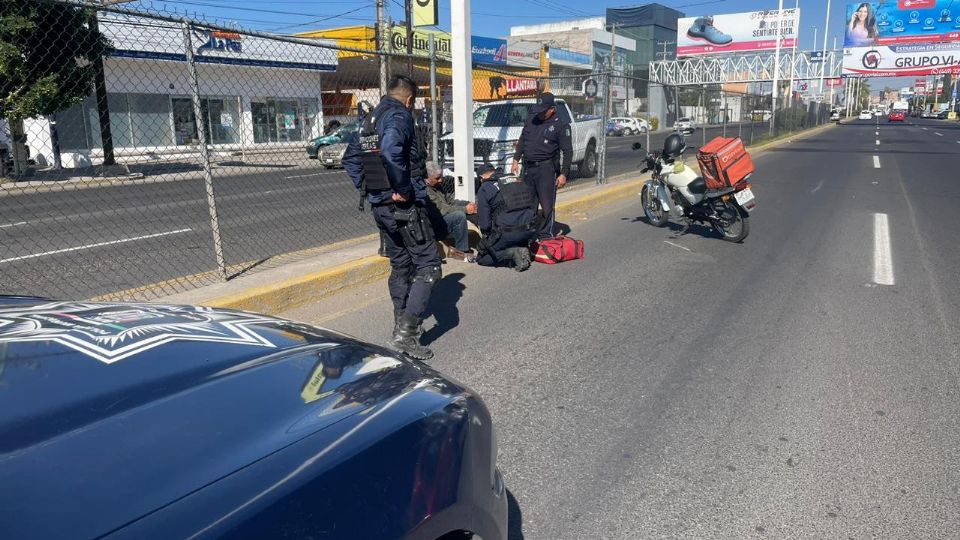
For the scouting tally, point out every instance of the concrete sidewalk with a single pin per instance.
(309, 280)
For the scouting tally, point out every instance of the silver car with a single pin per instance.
(685, 125)
(332, 156)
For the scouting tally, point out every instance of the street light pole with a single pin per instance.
(826, 32)
(776, 70)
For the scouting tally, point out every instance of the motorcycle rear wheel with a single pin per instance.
(733, 225)
(652, 209)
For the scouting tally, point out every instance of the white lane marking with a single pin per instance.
(938, 134)
(819, 185)
(306, 175)
(17, 224)
(878, 142)
(876, 162)
(91, 246)
(882, 260)
(677, 245)
(925, 129)
(876, 133)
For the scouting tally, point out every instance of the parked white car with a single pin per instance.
(685, 125)
(866, 115)
(631, 126)
(497, 126)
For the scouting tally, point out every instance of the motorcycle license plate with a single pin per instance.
(745, 199)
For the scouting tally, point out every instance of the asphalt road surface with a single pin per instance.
(88, 242)
(803, 384)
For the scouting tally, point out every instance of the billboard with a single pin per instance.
(426, 13)
(902, 60)
(903, 21)
(736, 32)
(489, 50)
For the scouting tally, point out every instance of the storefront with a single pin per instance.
(255, 93)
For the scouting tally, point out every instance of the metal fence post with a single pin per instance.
(204, 151)
(434, 123)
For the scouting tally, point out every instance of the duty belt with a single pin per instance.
(515, 228)
(538, 163)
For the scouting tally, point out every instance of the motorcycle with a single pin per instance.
(679, 192)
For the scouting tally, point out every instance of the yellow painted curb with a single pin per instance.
(301, 290)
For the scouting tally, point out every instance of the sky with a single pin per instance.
(491, 18)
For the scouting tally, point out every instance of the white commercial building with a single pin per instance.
(255, 93)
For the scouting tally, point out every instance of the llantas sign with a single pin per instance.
(521, 86)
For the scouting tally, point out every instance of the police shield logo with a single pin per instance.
(112, 332)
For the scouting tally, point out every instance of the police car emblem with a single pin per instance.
(112, 332)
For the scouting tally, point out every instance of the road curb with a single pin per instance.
(298, 291)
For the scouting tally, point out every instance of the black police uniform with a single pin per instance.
(506, 211)
(540, 143)
(378, 161)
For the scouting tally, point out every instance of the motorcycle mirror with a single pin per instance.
(637, 146)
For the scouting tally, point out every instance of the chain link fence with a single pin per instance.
(144, 154)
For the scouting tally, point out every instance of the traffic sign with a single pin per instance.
(816, 56)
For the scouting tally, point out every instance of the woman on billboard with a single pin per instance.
(862, 29)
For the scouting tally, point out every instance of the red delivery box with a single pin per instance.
(724, 162)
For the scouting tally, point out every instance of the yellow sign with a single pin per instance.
(421, 41)
(425, 13)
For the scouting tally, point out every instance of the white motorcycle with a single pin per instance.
(679, 192)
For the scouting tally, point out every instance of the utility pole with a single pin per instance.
(826, 32)
(832, 87)
(381, 47)
(408, 10)
(607, 106)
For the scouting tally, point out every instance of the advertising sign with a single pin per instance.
(816, 56)
(521, 87)
(920, 83)
(489, 50)
(426, 13)
(133, 37)
(833, 82)
(735, 32)
(524, 54)
(904, 21)
(902, 60)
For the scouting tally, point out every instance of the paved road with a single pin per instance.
(82, 243)
(690, 388)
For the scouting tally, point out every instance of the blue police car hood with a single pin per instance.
(111, 411)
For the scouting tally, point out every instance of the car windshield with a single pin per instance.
(684, 119)
(502, 115)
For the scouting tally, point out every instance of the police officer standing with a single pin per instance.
(378, 161)
(545, 135)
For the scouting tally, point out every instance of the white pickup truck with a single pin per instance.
(497, 126)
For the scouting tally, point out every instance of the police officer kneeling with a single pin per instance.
(378, 161)
(505, 214)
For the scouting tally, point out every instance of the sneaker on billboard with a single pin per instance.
(703, 29)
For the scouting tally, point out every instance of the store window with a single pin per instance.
(136, 120)
(221, 120)
(283, 120)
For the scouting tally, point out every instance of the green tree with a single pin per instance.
(47, 54)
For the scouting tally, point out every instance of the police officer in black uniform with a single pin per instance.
(544, 137)
(506, 211)
(378, 161)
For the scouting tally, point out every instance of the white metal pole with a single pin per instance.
(793, 56)
(832, 87)
(462, 101)
(826, 32)
(776, 69)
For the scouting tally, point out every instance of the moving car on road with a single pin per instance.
(614, 129)
(685, 125)
(896, 116)
(866, 115)
(943, 115)
(157, 421)
(340, 135)
(632, 126)
(835, 116)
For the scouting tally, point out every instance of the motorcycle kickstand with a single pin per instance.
(687, 222)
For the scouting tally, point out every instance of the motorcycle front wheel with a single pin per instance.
(652, 209)
(733, 224)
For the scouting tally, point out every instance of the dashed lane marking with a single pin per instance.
(882, 258)
(17, 224)
(938, 134)
(677, 245)
(876, 162)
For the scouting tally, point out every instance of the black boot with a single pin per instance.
(521, 258)
(383, 245)
(406, 338)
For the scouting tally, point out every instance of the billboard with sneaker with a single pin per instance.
(737, 32)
